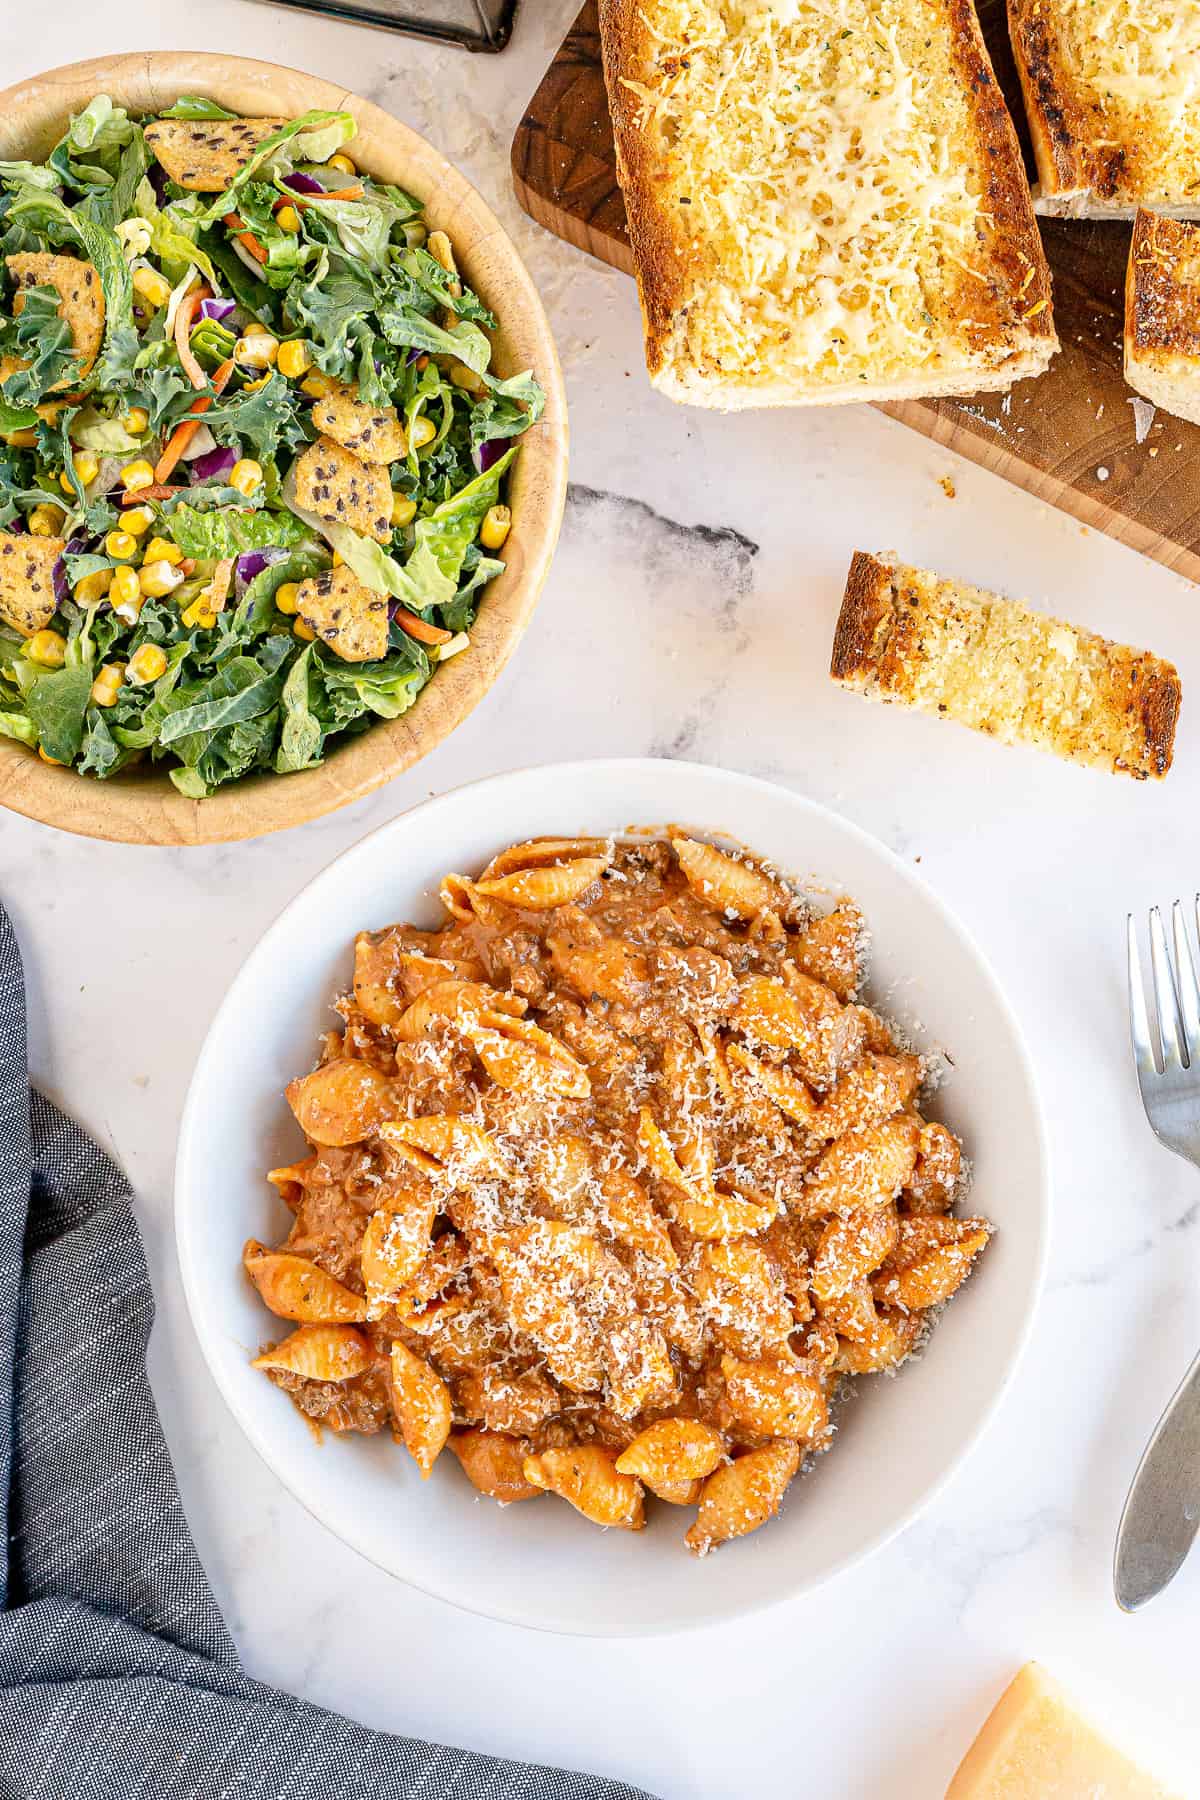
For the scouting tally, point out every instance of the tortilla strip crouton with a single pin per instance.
(27, 599)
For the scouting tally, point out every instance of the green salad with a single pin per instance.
(252, 451)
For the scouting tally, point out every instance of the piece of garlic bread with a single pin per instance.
(1113, 104)
(961, 653)
(826, 201)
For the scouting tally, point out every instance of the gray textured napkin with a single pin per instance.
(118, 1679)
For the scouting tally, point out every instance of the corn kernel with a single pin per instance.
(154, 288)
(45, 521)
(288, 219)
(338, 560)
(126, 589)
(137, 520)
(404, 511)
(136, 420)
(301, 630)
(316, 386)
(442, 251)
(138, 474)
(91, 588)
(135, 237)
(87, 467)
(199, 613)
(108, 684)
(466, 379)
(55, 762)
(252, 387)
(295, 358)
(155, 579)
(147, 664)
(120, 545)
(25, 439)
(256, 329)
(497, 523)
(287, 597)
(256, 350)
(48, 649)
(423, 432)
(161, 549)
(342, 161)
(246, 475)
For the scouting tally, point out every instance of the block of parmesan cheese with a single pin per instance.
(826, 201)
(943, 647)
(1034, 1745)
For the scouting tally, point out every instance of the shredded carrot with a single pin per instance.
(187, 428)
(353, 191)
(245, 238)
(185, 314)
(417, 628)
(217, 591)
(135, 496)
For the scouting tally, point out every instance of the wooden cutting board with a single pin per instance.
(1068, 437)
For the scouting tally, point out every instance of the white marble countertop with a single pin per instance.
(689, 613)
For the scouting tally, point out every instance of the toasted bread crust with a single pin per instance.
(1082, 171)
(867, 609)
(1055, 122)
(1020, 294)
(654, 234)
(891, 616)
(1162, 303)
(1162, 314)
(1011, 332)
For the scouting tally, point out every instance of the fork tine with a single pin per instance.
(1185, 981)
(1166, 997)
(1139, 1023)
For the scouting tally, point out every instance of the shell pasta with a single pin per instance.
(612, 1180)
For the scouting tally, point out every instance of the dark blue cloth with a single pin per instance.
(118, 1678)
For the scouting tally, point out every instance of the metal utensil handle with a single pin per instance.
(1162, 1512)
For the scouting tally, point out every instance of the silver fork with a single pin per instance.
(1162, 1511)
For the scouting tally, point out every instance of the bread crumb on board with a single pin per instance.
(946, 483)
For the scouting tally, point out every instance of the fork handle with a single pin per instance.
(1162, 1512)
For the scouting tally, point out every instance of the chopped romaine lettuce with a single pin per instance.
(217, 534)
(195, 106)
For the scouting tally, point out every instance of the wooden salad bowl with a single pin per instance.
(141, 806)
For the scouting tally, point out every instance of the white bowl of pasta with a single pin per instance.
(673, 1189)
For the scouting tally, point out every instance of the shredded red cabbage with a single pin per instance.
(217, 309)
(253, 562)
(213, 463)
(487, 453)
(74, 547)
(302, 184)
